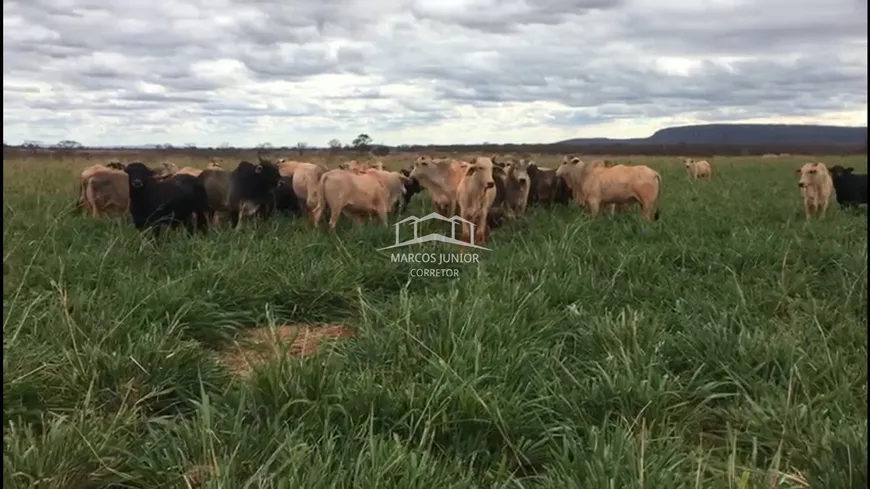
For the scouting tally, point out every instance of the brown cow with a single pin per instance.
(357, 195)
(546, 187)
(107, 190)
(441, 178)
(620, 185)
(355, 165)
(475, 196)
(816, 187)
(698, 169)
(394, 182)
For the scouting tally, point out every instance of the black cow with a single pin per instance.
(546, 187)
(156, 203)
(251, 190)
(284, 199)
(851, 188)
(412, 188)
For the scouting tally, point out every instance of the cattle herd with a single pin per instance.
(485, 191)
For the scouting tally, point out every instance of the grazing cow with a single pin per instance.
(512, 187)
(412, 188)
(357, 195)
(850, 188)
(594, 184)
(441, 178)
(475, 196)
(251, 190)
(156, 203)
(103, 189)
(698, 169)
(546, 187)
(816, 186)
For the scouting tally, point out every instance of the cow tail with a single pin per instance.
(658, 212)
(317, 200)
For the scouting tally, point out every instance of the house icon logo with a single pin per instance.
(454, 221)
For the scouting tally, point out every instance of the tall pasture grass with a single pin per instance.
(723, 346)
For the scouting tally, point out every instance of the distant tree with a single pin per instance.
(362, 143)
(68, 144)
(30, 144)
(190, 145)
(224, 145)
(265, 145)
(300, 146)
(334, 145)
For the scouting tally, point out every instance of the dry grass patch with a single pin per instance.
(261, 344)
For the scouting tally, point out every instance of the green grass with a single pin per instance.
(721, 347)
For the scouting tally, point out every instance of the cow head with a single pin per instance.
(115, 165)
(838, 171)
(568, 163)
(481, 173)
(138, 174)
(519, 171)
(811, 173)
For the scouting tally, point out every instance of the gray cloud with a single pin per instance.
(422, 70)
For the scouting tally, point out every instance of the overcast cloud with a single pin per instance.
(422, 71)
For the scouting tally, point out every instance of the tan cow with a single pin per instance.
(106, 190)
(189, 170)
(306, 176)
(474, 197)
(621, 185)
(441, 177)
(355, 165)
(214, 165)
(357, 195)
(698, 169)
(816, 187)
(393, 181)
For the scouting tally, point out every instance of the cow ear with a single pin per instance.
(797, 172)
(470, 170)
(258, 168)
(849, 169)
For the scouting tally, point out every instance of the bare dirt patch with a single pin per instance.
(261, 344)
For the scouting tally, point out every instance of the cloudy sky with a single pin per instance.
(422, 71)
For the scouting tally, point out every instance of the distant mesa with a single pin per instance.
(742, 135)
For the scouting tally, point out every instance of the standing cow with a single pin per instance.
(816, 187)
(850, 188)
(698, 169)
(594, 184)
(475, 196)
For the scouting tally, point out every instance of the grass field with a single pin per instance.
(724, 346)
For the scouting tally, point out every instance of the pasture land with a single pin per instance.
(723, 346)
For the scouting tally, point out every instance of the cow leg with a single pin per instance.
(480, 232)
(823, 208)
(382, 217)
(334, 215)
(594, 207)
(808, 208)
(235, 220)
(465, 233)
